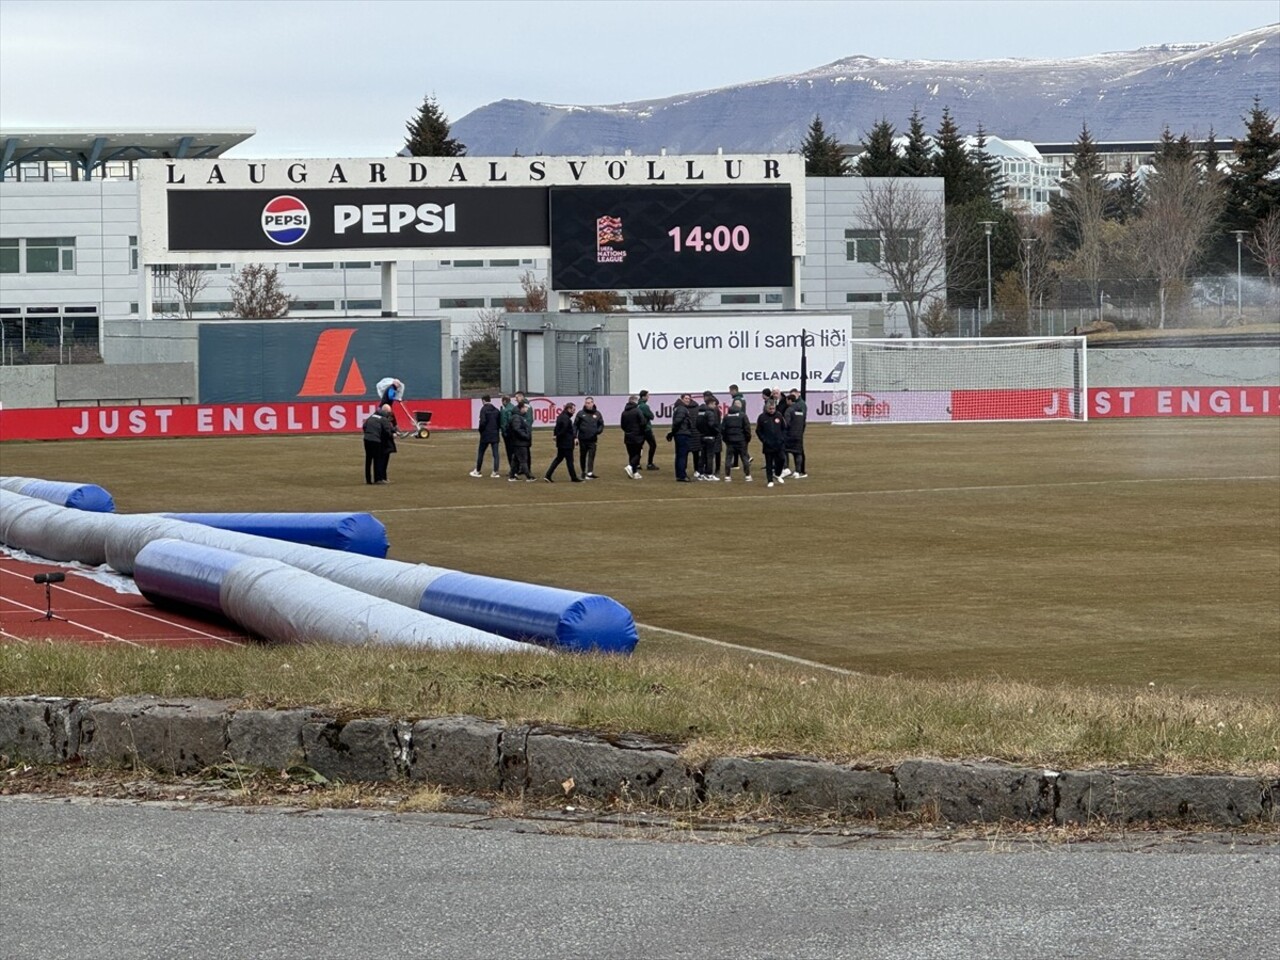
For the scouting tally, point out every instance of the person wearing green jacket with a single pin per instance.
(650, 442)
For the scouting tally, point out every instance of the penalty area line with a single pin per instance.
(754, 650)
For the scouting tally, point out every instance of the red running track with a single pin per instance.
(91, 612)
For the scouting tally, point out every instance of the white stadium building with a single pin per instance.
(69, 252)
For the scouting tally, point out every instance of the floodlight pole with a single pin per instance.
(987, 226)
(1239, 273)
(1026, 256)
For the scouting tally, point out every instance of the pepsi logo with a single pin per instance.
(286, 220)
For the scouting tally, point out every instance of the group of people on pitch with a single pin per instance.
(716, 436)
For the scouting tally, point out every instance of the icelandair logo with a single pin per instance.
(326, 367)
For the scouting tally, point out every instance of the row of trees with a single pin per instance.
(1164, 222)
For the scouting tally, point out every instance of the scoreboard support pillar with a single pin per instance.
(390, 289)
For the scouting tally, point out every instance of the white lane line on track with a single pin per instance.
(899, 491)
(754, 650)
(150, 616)
(73, 623)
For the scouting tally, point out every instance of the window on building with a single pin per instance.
(313, 305)
(357, 265)
(463, 263)
(461, 303)
(862, 298)
(51, 255)
(739, 298)
(317, 266)
(901, 247)
(500, 302)
(862, 246)
(38, 255)
(773, 298)
(361, 304)
(504, 263)
(133, 254)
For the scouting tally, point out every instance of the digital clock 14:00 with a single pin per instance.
(718, 239)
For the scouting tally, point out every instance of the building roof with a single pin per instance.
(90, 148)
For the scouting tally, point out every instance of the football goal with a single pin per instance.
(945, 379)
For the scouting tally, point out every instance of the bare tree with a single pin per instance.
(1178, 213)
(535, 295)
(910, 243)
(1264, 244)
(189, 280)
(257, 294)
(670, 301)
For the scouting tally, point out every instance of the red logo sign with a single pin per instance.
(325, 369)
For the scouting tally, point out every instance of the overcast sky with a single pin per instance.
(339, 78)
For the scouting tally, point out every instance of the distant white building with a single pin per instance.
(1030, 179)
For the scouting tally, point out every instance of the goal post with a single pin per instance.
(961, 379)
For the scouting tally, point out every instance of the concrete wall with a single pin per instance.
(28, 386)
(93, 384)
(155, 341)
(1184, 366)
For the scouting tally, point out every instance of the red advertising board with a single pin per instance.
(256, 419)
(1107, 402)
(210, 420)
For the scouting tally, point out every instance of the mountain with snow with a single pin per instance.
(1129, 95)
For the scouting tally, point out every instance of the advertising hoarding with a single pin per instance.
(281, 361)
(674, 354)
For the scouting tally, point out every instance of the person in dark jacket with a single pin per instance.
(772, 432)
(736, 430)
(685, 433)
(504, 427)
(588, 425)
(736, 394)
(521, 431)
(794, 418)
(489, 429)
(564, 444)
(650, 441)
(707, 421)
(379, 443)
(634, 428)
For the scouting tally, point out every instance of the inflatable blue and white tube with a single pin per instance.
(349, 532)
(548, 616)
(288, 605)
(562, 619)
(57, 533)
(78, 496)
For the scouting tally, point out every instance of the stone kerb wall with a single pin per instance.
(469, 754)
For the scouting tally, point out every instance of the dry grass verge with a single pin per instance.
(715, 703)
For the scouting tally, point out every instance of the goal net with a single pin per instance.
(942, 380)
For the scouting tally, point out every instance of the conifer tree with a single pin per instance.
(953, 164)
(429, 133)
(1128, 195)
(987, 168)
(879, 157)
(823, 155)
(917, 160)
(1253, 183)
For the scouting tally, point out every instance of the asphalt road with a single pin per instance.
(90, 879)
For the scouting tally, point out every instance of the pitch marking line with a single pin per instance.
(754, 650)
(150, 616)
(981, 488)
(75, 623)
